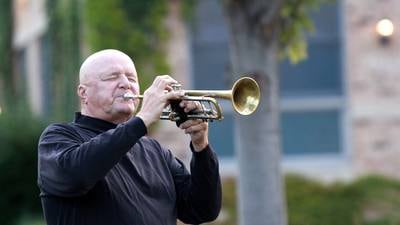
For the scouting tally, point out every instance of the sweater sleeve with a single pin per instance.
(70, 167)
(198, 193)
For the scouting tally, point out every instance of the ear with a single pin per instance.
(82, 93)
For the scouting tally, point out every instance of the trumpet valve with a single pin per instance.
(176, 87)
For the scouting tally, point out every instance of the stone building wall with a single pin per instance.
(30, 23)
(372, 76)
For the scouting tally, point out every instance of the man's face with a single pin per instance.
(109, 78)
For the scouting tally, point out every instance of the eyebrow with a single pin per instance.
(117, 73)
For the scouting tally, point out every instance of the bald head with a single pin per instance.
(104, 77)
(95, 64)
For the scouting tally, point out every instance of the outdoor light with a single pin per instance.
(385, 30)
(0, 110)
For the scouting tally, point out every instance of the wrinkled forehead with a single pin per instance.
(106, 62)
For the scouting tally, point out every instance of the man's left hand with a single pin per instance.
(197, 129)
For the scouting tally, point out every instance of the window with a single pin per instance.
(310, 131)
(311, 91)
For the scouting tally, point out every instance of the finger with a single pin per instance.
(166, 79)
(163, 82)
(192, 105)
(168, 88)
(173, 95)
(187, 105)
(196, 128)
(189, 123)
(183, 103)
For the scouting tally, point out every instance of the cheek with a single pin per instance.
(136, 88)
(100, 95)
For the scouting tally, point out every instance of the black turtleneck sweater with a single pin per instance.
(94, 172)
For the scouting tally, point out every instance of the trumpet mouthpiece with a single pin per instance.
(128, 96)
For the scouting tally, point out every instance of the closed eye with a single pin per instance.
(115, 76)
(112, 76)
(132, 79)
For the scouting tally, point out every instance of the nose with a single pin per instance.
(124, 82)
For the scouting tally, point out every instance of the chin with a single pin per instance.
(129, 111)
(125, 108)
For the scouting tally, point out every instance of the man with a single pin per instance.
(102, 169)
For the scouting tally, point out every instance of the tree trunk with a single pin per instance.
(253, 51)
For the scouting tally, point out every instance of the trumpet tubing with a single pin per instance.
(244, 96)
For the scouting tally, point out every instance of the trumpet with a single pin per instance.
(244, 96)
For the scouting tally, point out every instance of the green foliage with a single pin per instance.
(370, 200)
(64, 56)
(30, 219)
(187, 8)
(296, 22)
(134, 27)
(19, 134)
(311, 203)
(380, 203)
(6, 68)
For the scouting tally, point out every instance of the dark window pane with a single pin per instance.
(319, 74)
(209, 24)
(209, 46)
(310, 132)
(326, 22)
(221, 136)
(209, 63)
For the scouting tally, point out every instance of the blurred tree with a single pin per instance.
(64, 56)
(7, 86)
(135, 27)
(261, 31)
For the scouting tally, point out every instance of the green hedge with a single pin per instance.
(372, 200)
(19, 194)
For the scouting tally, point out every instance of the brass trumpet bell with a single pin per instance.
(244, 95)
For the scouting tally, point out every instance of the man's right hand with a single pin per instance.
(156, 98)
